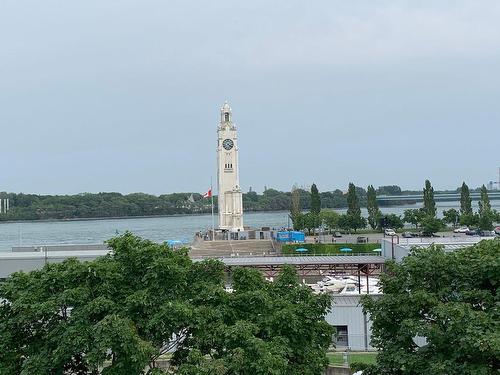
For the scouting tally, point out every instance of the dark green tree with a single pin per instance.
(330, 219)
(372, 206)
(118, 314)
(350, 222)
(352, 219)
(451, 216)
(393, 221)
(486, 215)
(431, 225)
(315, 200)
(429, 203)
(414, 216)
(447, 299)
(465, 200)
(353, 208)
(296, 209)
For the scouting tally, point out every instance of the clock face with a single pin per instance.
(228, 144)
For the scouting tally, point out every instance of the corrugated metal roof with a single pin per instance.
(52, 254)
(336, 259)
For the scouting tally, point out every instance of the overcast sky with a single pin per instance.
(121, 95)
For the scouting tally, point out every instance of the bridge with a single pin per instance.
(439, 197)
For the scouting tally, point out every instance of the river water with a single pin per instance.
(154, 228)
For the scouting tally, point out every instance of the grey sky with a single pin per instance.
(122, 95)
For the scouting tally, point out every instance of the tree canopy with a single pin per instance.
(372, 206)
(429, 203)
(448, 300)
(120, 313)
(315, 200)
(465, 200)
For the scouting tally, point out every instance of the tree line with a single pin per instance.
(101, 205)
(423, 218)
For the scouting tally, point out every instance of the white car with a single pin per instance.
(461, 230)
(390, 232)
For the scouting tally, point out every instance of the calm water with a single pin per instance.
(156, 229)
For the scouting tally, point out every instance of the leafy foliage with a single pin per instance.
(330, 219)
(120, 313)
(315, 200)
(486, 215)
(465, 200)
(451, 216)
(414, 216)
(429, 203)
(393, 221)
(372, 206)
(351, 222)
(431, 225)
(449, 299)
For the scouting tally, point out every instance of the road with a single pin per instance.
(372, 237)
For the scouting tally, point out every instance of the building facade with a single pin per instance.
(230, 200)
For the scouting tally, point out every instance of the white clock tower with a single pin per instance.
(228, 179)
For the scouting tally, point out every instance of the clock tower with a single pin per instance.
(228, 179)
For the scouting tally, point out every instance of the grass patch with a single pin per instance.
(368, 358)
(330, 248)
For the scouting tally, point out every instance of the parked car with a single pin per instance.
(407, 235)
(497, 230)
(487, 233)
(472, 232)
(362, 240)
(389, 232)
(461, 230)
(337, 234)
(428, 234)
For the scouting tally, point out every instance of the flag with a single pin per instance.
(208, 194)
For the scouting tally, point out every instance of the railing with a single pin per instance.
(250, 255)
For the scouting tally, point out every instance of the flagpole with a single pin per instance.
(212, 197)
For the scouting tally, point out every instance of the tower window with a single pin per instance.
(226, 116)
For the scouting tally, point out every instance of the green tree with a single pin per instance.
(372, 206)
(310, 221)
(429, 203)
(350, 222)
(469, 219)
(296, 209)
(315, 200)
(353, 208)
(448, 298)
(393, 221)
(451, 216)
(413, 216)
(431, 225)
(389, 190)
(486, 215)
(124, 310)
(465, 200)
(330, 219)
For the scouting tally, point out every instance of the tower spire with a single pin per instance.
(225, 113)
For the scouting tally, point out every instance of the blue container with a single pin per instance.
(290, 236)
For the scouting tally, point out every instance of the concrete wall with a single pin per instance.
(41, 248)
(11, 262)
(347, 311)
